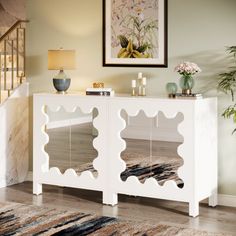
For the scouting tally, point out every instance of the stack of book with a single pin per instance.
(100, 91)
(189, 96)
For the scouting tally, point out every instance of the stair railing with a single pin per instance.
(12, 59)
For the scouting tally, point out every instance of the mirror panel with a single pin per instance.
(71, 136)
(151, 147)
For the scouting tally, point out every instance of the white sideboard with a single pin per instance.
(198, 150)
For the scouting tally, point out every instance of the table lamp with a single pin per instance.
(61, 60)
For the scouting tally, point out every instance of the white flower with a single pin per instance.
(187, 68)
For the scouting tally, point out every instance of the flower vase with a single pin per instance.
(186, 84)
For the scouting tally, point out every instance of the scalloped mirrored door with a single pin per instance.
(71, 136)
(151, 147)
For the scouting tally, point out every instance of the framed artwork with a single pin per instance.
(135, 33)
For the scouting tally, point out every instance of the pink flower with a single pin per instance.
(187, 68)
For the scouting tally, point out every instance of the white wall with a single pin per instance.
(198, 31)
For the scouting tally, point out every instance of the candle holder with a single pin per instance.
(133, 84)
(140, 77)
(171, 89)
(133, 92)
(144, 83)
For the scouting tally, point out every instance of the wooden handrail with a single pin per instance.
(12, 28)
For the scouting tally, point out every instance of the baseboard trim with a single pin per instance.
(69, 122)
(227, 200)
(223, 199)
(29, 176)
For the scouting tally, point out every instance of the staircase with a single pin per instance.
(12, 59)
(14, 94)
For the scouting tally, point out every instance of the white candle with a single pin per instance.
(144, 81)
(133, 83)
(140, 75)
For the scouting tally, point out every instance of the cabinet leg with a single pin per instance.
(213, 199)
(37, 188)
(109, 198)
(193, 209)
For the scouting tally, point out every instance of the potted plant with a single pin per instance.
(227, 84)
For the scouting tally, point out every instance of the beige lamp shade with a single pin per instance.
(61, 59)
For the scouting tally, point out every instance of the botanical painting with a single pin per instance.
(135, 32)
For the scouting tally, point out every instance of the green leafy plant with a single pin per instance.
(130, 51)
(227, 84)
(142, 35)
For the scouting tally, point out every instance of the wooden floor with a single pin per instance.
(219, 219)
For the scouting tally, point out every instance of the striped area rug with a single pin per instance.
(21, 219)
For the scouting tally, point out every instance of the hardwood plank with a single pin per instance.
(219, 219)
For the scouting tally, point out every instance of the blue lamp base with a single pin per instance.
(61, 83)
